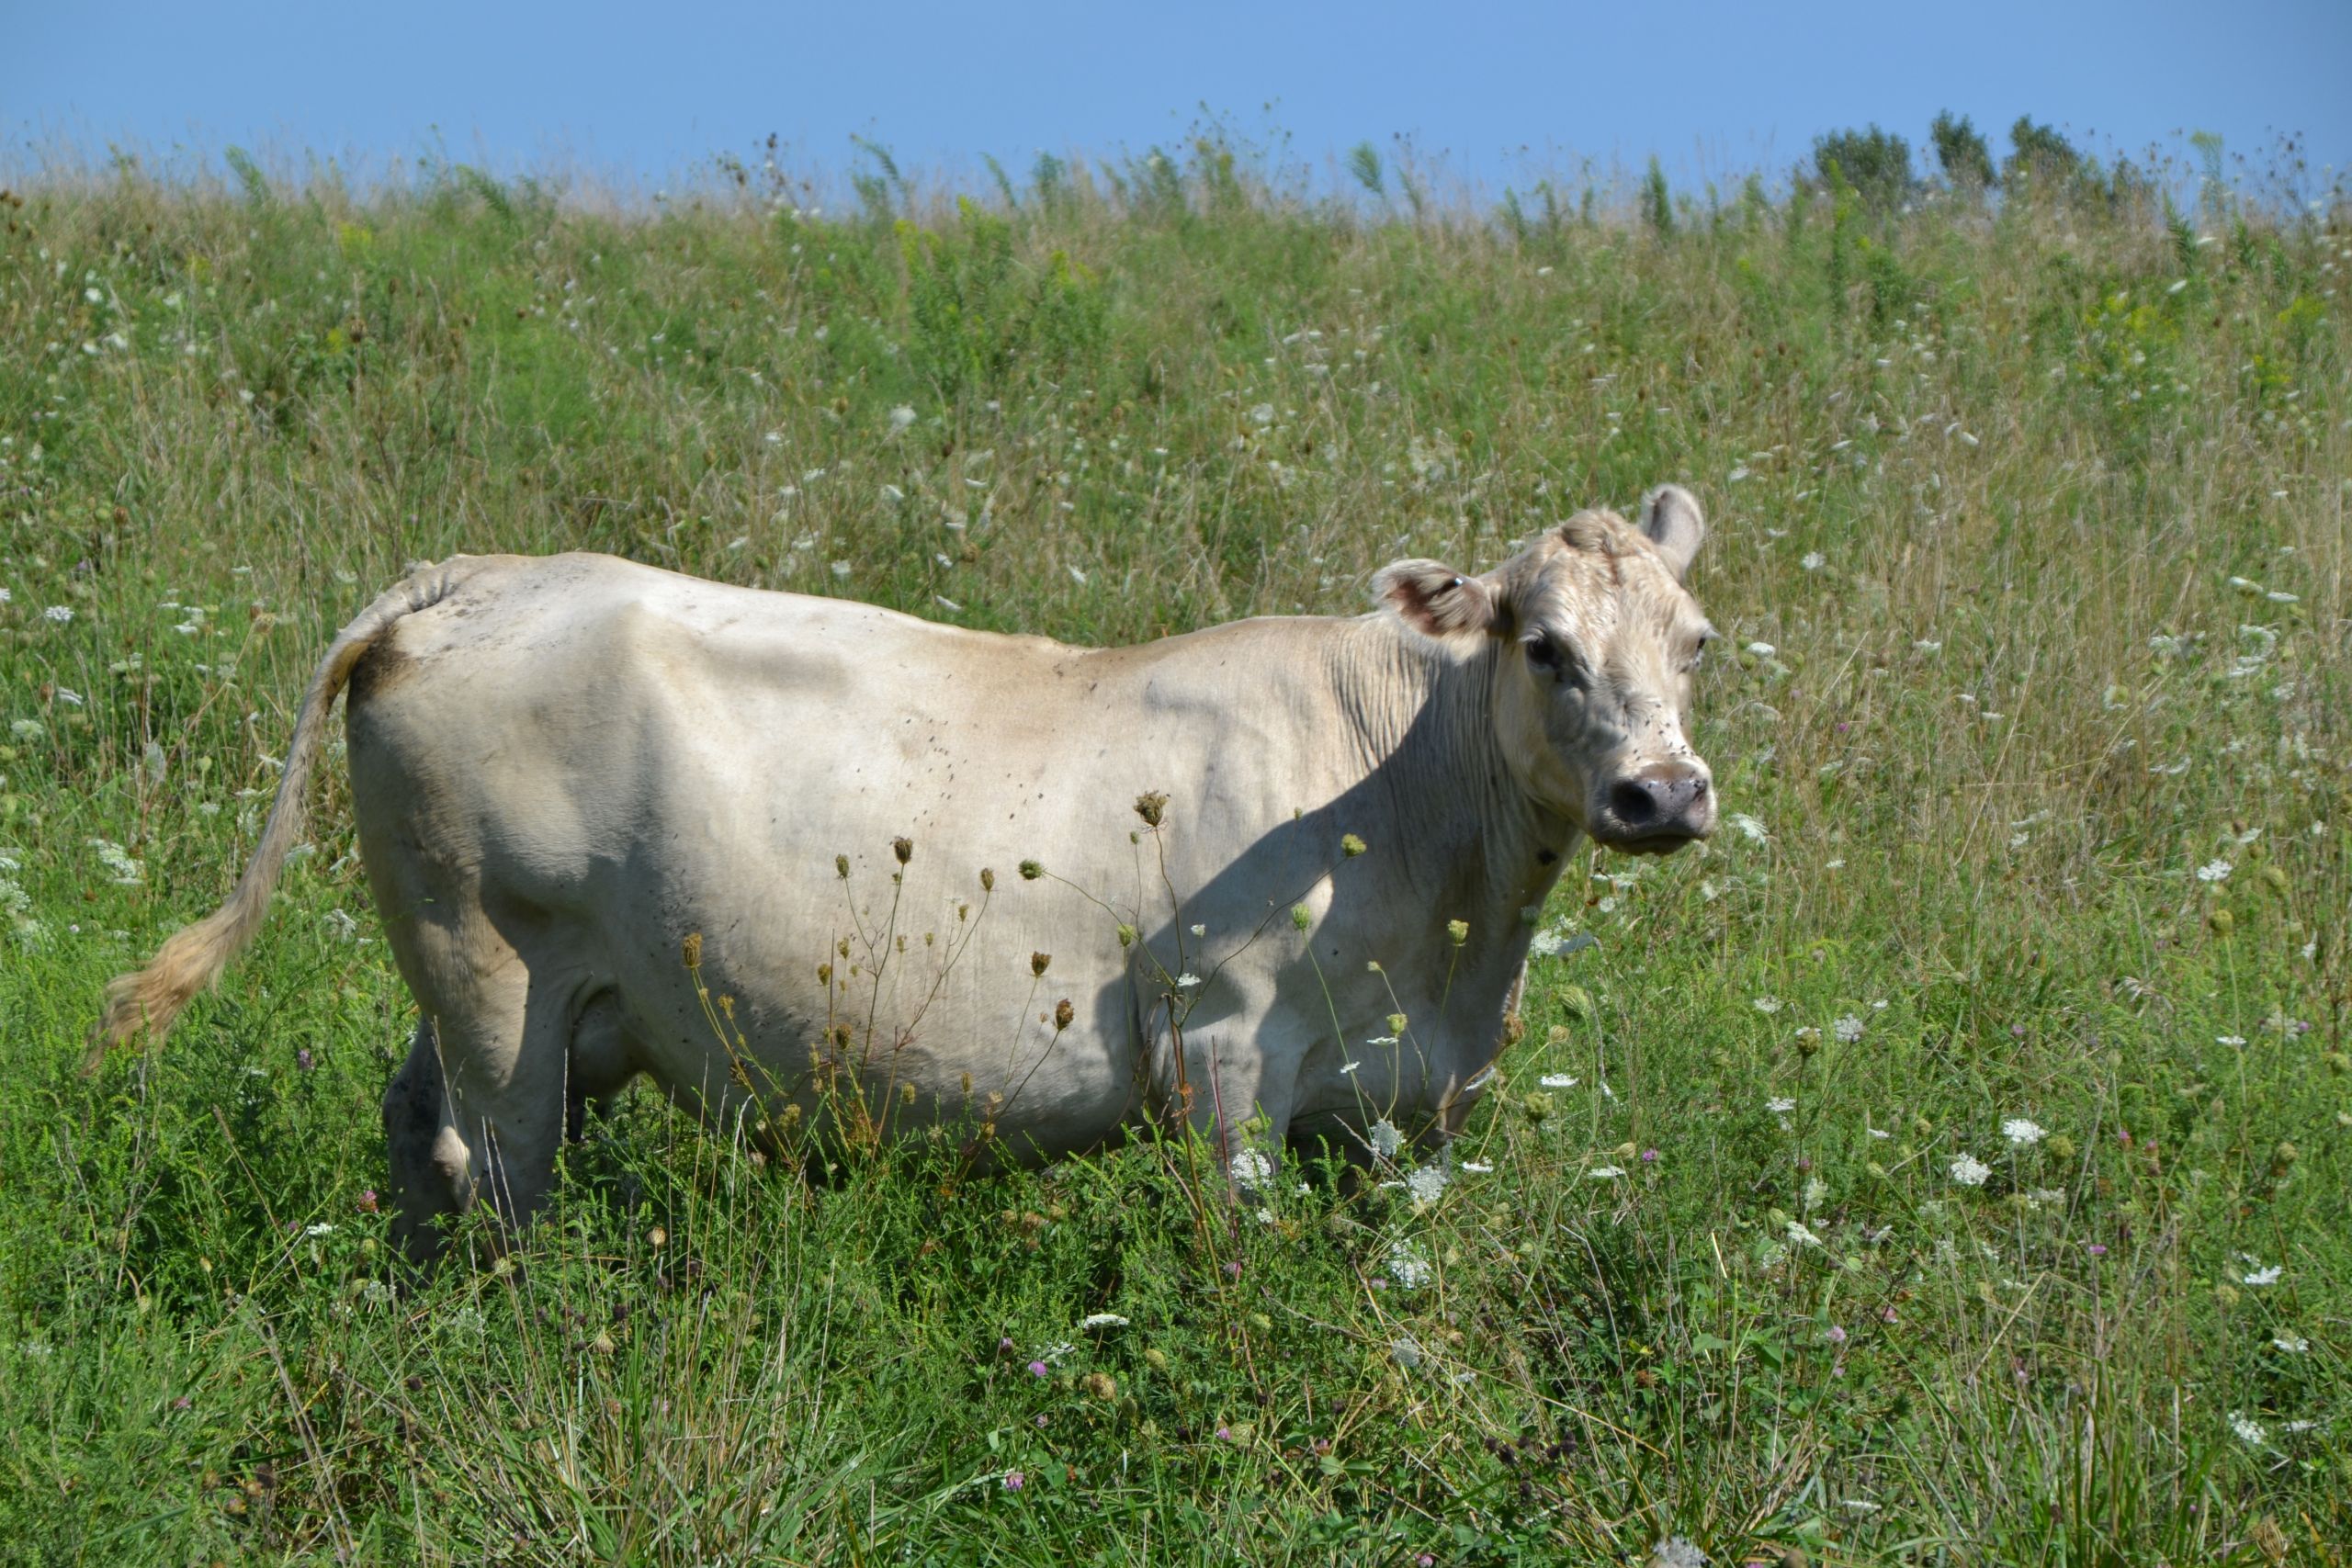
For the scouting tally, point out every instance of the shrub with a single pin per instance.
(1962, 154)
(1876, 163)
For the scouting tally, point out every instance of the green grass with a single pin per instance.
(2030, 543)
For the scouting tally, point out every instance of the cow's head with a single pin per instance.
(1597, 639)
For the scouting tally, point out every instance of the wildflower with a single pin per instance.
(1036, 1369)
(1350, 846)
(58, 614)
(1848, 1029)
(1649, 1157)
(2215, 870)
(1476, 1167)
(1970, 1171)
(1386, 1139)
(2293, 1344)
(842, 569)
(1407, 1266)
(1187, 980)
(901, 417)
(1748, 828)
(1347, 1067)
(1076, 576)
(1768, 1005)
(1426, 1183)
(1834, 1333)
(2229, 1040)
(1556, 1080)
(1813, 560)
(321, 1228)
(1606, 1172)
(1762, 649)
(1014, 1480)
(1252, 1168)
(1799, 1236)
(1781, 1105)
(1559, 944)
(2020, 1132)
(2248, 1430)
(2268, 1276)
(1407, 1352)
(2096, 1249)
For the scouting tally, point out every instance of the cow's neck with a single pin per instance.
(1466, 835)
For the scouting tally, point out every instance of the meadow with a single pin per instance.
(1946, 1165)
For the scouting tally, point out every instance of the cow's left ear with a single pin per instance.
(1437, 601)
(1670, 518)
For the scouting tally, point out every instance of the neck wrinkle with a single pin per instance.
(1419, 714)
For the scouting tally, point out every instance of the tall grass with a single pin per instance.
(2031, 535)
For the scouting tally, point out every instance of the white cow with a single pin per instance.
(836, 871)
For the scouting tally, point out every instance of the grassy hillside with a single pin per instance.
(1955, 1164)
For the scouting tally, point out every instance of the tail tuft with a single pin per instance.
(148, 1001)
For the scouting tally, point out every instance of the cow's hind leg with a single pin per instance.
(478, 1111)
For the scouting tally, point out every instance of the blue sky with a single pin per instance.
(639, 93)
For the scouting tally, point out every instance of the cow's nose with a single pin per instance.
(1665, 797)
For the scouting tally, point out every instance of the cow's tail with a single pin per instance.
(148, 1001)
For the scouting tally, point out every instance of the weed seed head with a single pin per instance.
(904, 848)
(1350, 846)
(988, 880)
(1031, 869)
(1037, 961)
(1126, 934)
(1458, 931)
(1063, 1013)
(1151, 805)
(1301, 915)
(691, 950)
(840, 867)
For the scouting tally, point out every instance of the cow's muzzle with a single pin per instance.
(1654, 811)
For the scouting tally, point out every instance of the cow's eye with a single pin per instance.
(1550, 655)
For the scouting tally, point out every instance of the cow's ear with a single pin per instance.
(1671, 519)
(1437, 601)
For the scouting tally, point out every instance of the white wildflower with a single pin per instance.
(1768, 1004)
(1187, 980)
(1478, 1168)
(1426, 1183)
(2232, 1039)
(1813, 560)
(2248, 1430)
(2215, 870)
(2258, 1277)
(1407, 1353)
(1407, 1266)
(1799, 1236)
(1556, 1080)
(1076, 576)
(58, 614)
(1848, 1029)
(1558, 942)
(2021, 1133)
(1748, 828)
(1346, 1067)
(1103, 1320)
(2293, 1344)
(842, 569)
(1970, 1171)
(1262, 414)
(1386, 1139)
(321, 1228)
(1606, 1172)
(1762, 649)
(1781, 1106)
(901, 417)
(1928, 645)
(1252, 1168)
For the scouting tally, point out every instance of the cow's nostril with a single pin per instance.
(1634, 801)
(1698, 790)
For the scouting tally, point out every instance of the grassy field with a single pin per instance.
(1949, 1164)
